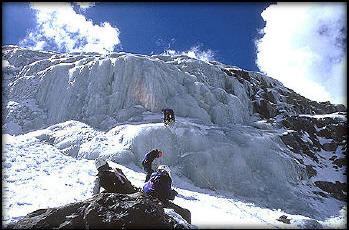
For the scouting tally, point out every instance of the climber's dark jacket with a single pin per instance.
(112, 180)
(168, 115)
(159, 185)
(147, 162)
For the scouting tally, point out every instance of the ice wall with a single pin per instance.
(105, 90)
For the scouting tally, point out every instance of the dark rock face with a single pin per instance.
(338, 190)
(330, 128)
(268, 105)
(297, 145)
(307, 135)
(305, 140)
(311, 172)
(105, 210)
(265, 108)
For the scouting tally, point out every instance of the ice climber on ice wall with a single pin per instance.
(168, 116)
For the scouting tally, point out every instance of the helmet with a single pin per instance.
(99, 162)
(165, 168)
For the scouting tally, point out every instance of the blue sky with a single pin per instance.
(154, 27)
(291, 42)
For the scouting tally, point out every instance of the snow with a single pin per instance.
(37, 174)
(61, 111)
(325, 171)
(177, 217)
(337, 115)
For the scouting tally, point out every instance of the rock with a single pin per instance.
(299, 123)
(105, 210)
(227, 72)
(183, 212)
(298, 146)
(331, 147)
(341, 108)
(311, 172)
(340, 162)
(264, 108)
(310, 224)
(241, 73)
(284, 219)
(337, 190)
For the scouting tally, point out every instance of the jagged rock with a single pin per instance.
(264, 108)
(311, 172)
(241, 73)
(340, 162)
(330, 146)
(326, 133)
(299, 123)
(298, 146)
(227, 72)
(105, 210)
(270, 97)
(337, 190)
(332, 129)
(284, 219)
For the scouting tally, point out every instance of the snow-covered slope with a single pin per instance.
(37, 175)
(77, 107)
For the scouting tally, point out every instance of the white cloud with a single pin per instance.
(194, 52)
(85, 5)
(304, 46)
(60, 28)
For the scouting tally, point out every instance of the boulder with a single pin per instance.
(105, 210)
(284, 219)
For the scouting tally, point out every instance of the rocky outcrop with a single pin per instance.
(105, 210)
(338, 190)
(312, 129)
(310, 135)
(270, 98)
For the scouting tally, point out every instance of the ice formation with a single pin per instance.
(89, 105)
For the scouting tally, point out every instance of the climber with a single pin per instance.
(159, 185)
(168, 116)
(112, 180)
(148, 161)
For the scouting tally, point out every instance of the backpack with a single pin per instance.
(115, 181)
(161, 185)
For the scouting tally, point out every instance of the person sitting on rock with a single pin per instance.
(111, 180)
(148, 161)
(159, 185)
(168, 116)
